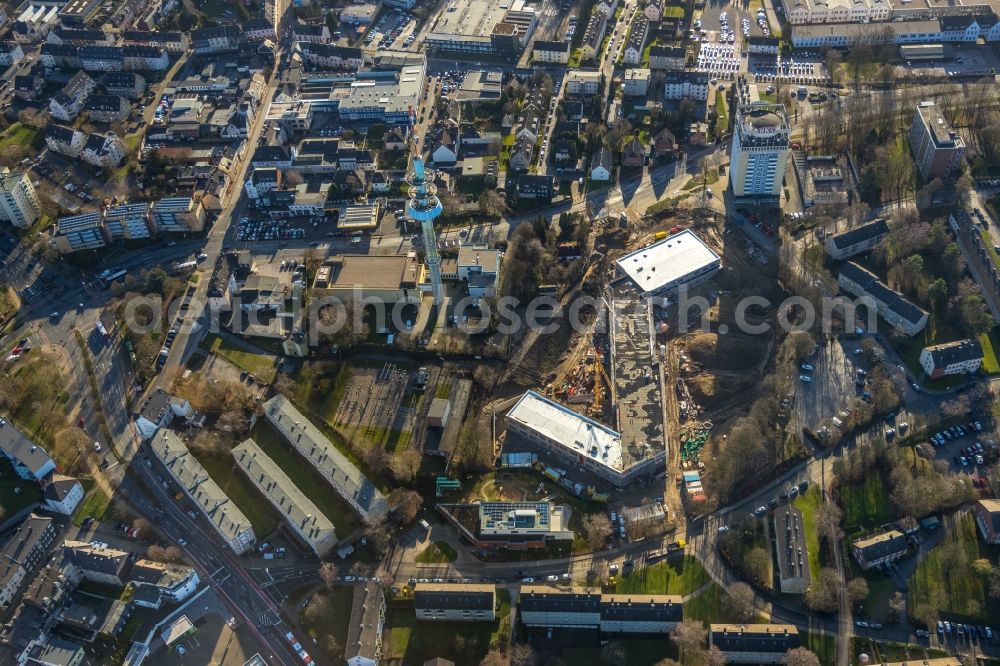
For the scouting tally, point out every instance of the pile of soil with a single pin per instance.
(731, 352)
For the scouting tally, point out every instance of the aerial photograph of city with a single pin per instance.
(499, 332)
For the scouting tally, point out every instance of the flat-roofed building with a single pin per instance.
(386, 91)
(937, 148)
(78, 12)
(583, 82)
(178, 215)
(305, 519)
(224, 516)
(359, 217)
(579, 440)
(874, 551)
(129, 221)
(363, 646)
(480, 27)
(754, 643)
(759, 151)
(848, 34)
(890, 305)
(455, 602)
(353, 486)
(352, 277)
(854, 241)
(545, 51)
(679, 260)
(544, 606)
(79, 232)
(19, 202)
(510, 525)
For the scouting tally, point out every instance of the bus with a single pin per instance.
(183, 267)
(111, 276)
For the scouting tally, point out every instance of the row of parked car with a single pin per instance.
(945, 627)
(956, 432)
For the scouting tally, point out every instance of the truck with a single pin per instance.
(676, 546)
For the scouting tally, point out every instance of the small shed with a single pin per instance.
(437, 416)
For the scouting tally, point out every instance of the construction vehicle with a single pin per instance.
(659, 235)
(599, 372)
(595, 496)
(676, 546)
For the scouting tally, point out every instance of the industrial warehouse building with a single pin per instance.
(579, 440)
(667, 265)
(330, 463)
(225, 517)
(305, 519)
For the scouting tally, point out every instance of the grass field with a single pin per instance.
(638, 652)
(439, 552)
(991, 365)
(866, 504)
(303, 476)
(18, 135)
(11, 500)
(722, 109)
(415, 642)
(824, 645)
(259, 365)
(8, 303)
(238, 488)
(673, 12)
(808, 503)
(95, 503)
(943, 582)
(710, 607)
(681, 576)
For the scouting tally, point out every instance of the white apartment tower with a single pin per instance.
(18, 201)
(760, 151)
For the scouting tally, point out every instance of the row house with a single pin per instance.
(170, 41)
(331, 56)
(316, 33)
(11, 53)
(126, 84)
(636, 40)
(108, 108)
(60, 56)
(216, 39)
(669, 58)
(28, 86)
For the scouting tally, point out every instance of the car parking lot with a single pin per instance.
(718, 59)
(255, 230)
(383, 33)
(802, 68)
(969, 448)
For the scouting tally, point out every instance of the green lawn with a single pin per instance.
(808, 503)
(18, 135)
(710, 607)
(866, 504)
(238, 488)
(414, 642)
(303, 476)
(8, 303)
(991, 365)
(824, 645)
(16, 494)
(680, 576)
(94, 505)
(260, 366)
(638, 652)
(938, 330)
(673, 12)
(880, 590)
(722, 109)
(439, 552)
(948, 585)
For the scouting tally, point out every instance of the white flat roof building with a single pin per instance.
(577, 439)
(667, 264)
(225, 517)
(295, 507)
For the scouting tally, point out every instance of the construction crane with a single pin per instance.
(599, 372)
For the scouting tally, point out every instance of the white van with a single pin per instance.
(424, 525)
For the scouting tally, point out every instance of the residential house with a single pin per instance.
(446, 147)
(891, 305)
(216, 39)
(962, 357)
(669, 58)
(63, 494)
(636, 40)
(542, 606)
(175, 42)
(126, 84)
(653, 11)
(332, 56)
(28, 86)
(987, 514)
(754, 643)
(279, 157)
(874, 551)
(593, 35)
(97, 562)
(64, 140)
(30, 461)
(11, 53)
(573, 109)
(455, 602)
(551, 51)
(697, 134)
(693, 85)
(67, 104)
(532, 187)
(311, 33)
(583, 82)
(854, 241)
(56, 652)
(634, 154)
(665, 146)
(101, 58)
(159, 411)
(141, 58)
(19, 203)
(520, 155)
(108, 108)
(363, 646)
(262, 181)
(104, 150)
(564, 152)
(601, 165)
(396, 138)
(60, 56)
(636, 82)
(23, 553)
